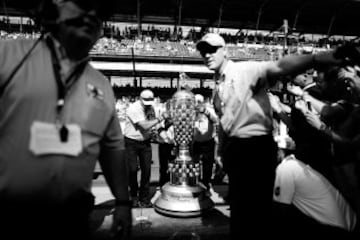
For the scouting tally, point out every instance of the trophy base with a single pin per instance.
(183, 201)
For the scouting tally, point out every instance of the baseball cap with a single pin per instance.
(212, 39)
(199, 98)
(147, 97)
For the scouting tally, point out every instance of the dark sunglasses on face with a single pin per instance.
(80, 21)
(88, 5)
(208, 49)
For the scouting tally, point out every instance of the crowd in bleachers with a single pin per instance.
(173, 42)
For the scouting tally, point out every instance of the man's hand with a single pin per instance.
(200, 108)
(301, 105)
(165, 115)
(313, 119)
(295, 90)
(275, 103)
(122, 222)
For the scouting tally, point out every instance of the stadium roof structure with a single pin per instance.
(329, 17)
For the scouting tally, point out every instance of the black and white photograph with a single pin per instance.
(179, 119)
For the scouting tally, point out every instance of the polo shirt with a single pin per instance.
(245, 107)
(32, 96)
(135, 113)
(298, 184)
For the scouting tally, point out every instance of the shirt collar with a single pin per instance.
(59, 49)
(61, 52)
(220, 77)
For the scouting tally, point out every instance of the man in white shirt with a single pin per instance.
(140, 122)
(305, 198)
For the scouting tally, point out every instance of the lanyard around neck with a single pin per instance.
(63, 86)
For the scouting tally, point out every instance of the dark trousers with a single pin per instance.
(204, 152)
(139, 150)
(250, 164)
(27, 219)
(289, 218)
(165, 156)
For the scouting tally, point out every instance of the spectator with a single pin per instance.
(304, 197)
(166, 149)
(140, 122)
(57, 117)
(204, 143)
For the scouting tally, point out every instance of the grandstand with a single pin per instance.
(156, 39)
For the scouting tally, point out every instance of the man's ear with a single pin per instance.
(226, 52)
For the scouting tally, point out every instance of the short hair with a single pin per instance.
(47, 12)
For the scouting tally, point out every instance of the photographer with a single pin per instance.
(204, 139)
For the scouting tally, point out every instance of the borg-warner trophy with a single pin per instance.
(183, 195)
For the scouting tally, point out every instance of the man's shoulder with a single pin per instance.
(251, 63)
(290, 163)
(18, 42)
(96, 78)
(16, 47)
(135, 104)
(249, 67)
(133, 107)
(97, 75)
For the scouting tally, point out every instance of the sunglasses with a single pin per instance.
(208, 49)
(80, 21)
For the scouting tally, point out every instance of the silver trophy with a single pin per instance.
(183, 195)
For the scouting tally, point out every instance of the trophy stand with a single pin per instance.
(183, 195)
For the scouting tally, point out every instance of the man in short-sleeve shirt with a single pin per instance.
(140, 122)
(306, 191)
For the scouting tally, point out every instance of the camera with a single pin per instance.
(309, 107)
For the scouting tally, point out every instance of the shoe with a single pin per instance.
(135, 203)
(156, 196)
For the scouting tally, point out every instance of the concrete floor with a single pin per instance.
(148, 224)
